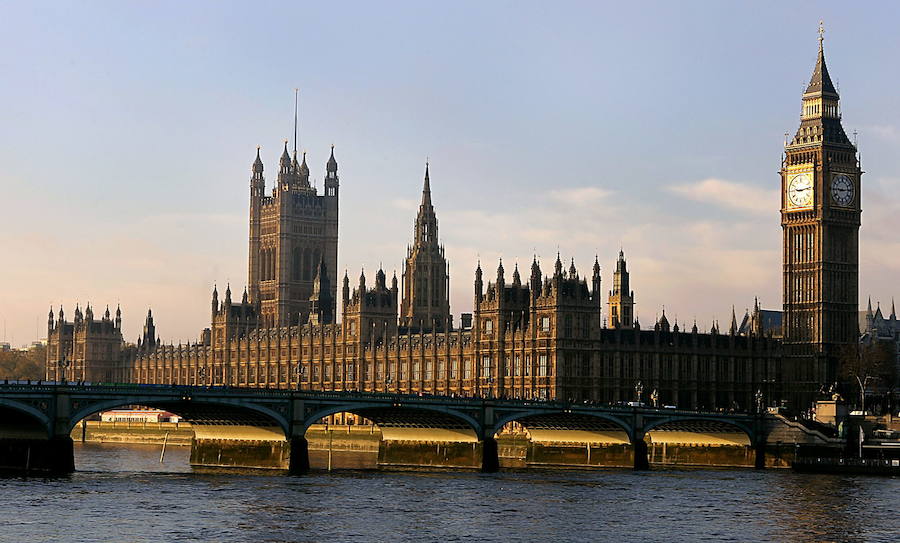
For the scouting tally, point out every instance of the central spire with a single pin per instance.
(426, 189)
(426, 220)
(425, 304)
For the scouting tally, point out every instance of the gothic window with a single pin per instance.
(307, 256)
(543, 366)
(486, 366)
(545, 324)
(296, 264)
(454, 369)
(567, 326)
(518, 364)
(488, 326)
(467, 368)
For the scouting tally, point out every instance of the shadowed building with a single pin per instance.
(291, 231)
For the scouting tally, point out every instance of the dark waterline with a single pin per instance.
(123, 493)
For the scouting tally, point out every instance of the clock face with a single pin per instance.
(800, 190)
(842, 190)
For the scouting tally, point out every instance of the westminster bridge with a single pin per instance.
(266, 428)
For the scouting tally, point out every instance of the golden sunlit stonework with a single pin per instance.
(544, 336)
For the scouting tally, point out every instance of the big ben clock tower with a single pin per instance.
(820, 218)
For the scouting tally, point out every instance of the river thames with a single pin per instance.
(122, 493)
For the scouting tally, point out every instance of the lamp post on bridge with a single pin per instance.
(300, 372)
(63, 364)
(639, 390)
(767, 399)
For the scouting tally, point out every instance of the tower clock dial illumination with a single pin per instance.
(842, 190)
(800, 190)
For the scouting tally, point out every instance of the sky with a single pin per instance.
(127, 131)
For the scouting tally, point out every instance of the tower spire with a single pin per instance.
(426, 188)
(820, 83)
(425, 299)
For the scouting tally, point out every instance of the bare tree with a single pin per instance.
(868, 366)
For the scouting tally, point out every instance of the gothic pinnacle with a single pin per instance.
(426, 189)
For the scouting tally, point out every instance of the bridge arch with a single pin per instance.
(658, 424)
(35, 414)
(191, 409)
(536, 413)
(375, 410)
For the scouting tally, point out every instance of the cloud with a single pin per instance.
(886, 132)
(580, 195)
(730, 194)
(405, 204)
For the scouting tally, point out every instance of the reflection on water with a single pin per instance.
(123, 493)
(109, 457)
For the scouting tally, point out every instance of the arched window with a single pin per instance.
(296, 264)
(307, 257)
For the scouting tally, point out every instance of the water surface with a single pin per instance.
(123, 493)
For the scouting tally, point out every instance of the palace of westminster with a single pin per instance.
(551, 334)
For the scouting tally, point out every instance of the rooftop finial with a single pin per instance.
(821, 33)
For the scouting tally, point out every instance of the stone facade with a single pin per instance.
(87, 349)
(291, 232)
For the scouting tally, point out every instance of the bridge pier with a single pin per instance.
(240, 446)
(641, 459)
(299, 456)
(490, 456)
(55, 456)
(759, 462)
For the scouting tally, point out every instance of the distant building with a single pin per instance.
(138, 415)
(876, 328)
(760, 321)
